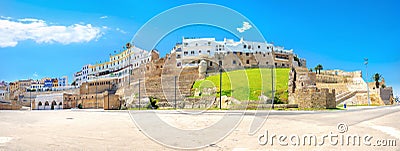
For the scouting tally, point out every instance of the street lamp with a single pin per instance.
(366, 71)
(220, 57)
(30, 98)
(139, 94)
(175, 91)
(96, 82)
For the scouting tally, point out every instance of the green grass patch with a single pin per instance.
(248, 84)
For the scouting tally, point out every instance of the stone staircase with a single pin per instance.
(347, 95)
(162, 87)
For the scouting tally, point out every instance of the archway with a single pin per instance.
(39, 105)
(53, 104)
(46, 104)
(60, 105)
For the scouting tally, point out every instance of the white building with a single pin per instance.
(206, 48)
(3, 95)
(119, 65)
(63, 81)
(48, 102)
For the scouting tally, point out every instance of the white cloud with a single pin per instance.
(29, 20)
(246, 26)
(35, 75)
(14, 31)
(103, 17)
(4, 17)
(122, 31)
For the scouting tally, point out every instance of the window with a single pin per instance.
(259, 46)
(209, 43)
(266, 63)
(249, 47)
(199, 51)
(247, 54)
(234, 62)
(185, 52)
(208, 51)
(247, 61)
(244, 46)
(197, 44)
(210, 63)
(192, 52)
(178, 56)
(264, 55)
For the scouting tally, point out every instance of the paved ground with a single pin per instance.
(115, 130)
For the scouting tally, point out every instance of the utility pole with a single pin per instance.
(129, 76)
(139, 94)
(108, 94)
(272, 86)
(220, 85)
(30, 99)
(175, 91)
(97, 105)
(366, 78)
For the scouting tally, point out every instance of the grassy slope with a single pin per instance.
(248, 84)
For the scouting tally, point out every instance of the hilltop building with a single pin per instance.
(119, 65)
(234, 54)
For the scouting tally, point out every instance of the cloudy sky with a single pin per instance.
(55, 38)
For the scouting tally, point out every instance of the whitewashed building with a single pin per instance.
(193, 49)
(119, 65)
(48, 102)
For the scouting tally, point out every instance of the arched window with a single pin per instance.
(40, 104)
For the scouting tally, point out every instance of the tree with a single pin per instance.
(377, 77)
(319, 67)
(311, 70)
(316, 70)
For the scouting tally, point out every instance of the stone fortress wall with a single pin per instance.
(352, 89)
(157, 78)
(304, 92)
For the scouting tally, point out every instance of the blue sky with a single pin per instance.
(337, 34)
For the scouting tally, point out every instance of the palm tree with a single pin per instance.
(377, 77)
(319, 67)
(316, 70)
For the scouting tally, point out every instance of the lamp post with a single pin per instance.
(272, 85)
(366, 78)
(96, 82)
(139, 94)
(129, 76)
(175, 91)
(220, 57)
(30, 98)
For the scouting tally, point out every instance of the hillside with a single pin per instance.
(247, 84)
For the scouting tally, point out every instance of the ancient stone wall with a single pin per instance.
(314, 98)
(303, 91)
(10, 106)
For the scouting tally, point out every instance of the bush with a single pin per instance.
(80, 106)
(153, 103)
